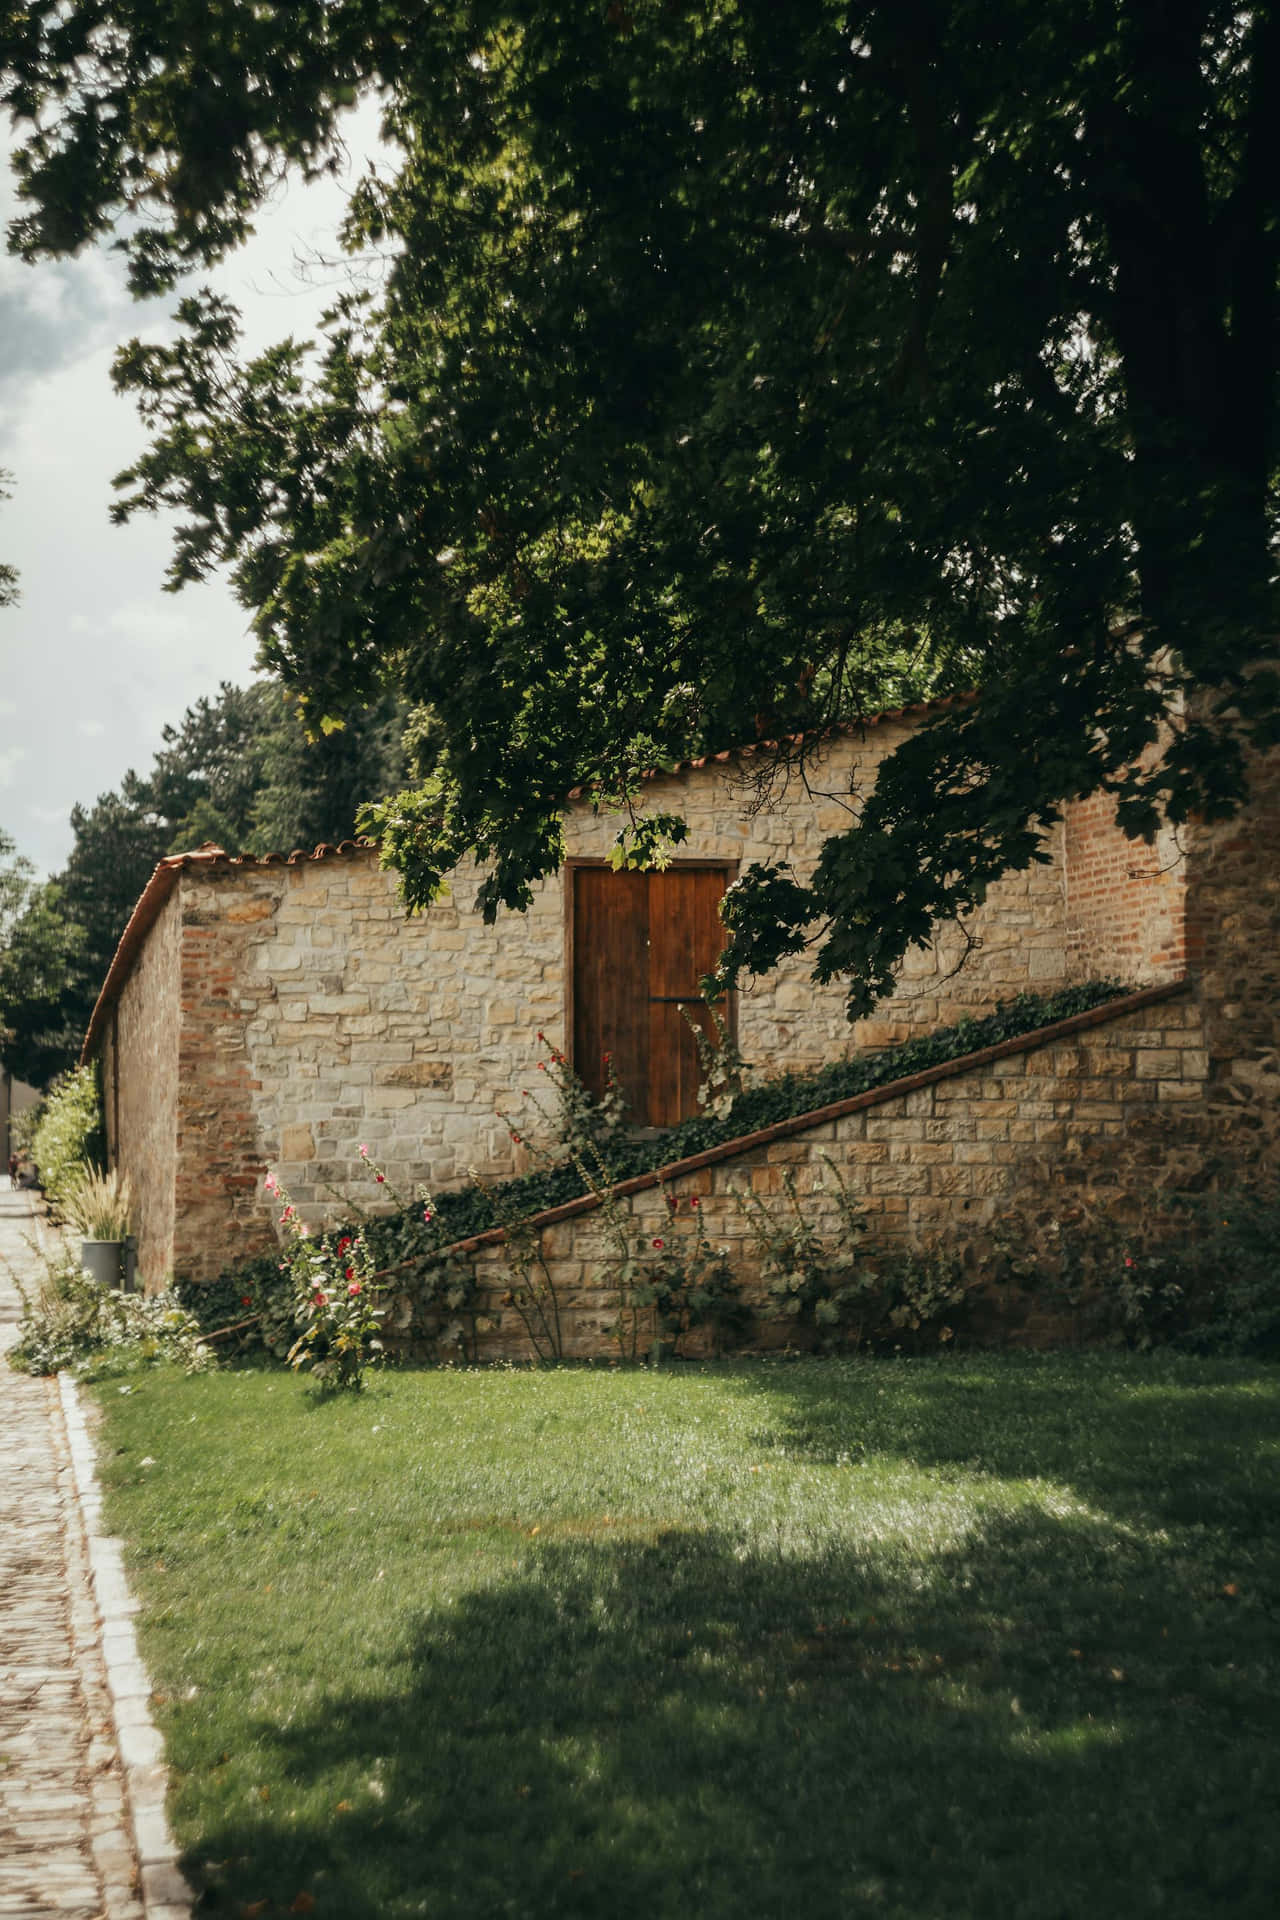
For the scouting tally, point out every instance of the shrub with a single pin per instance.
(1228, 1274)
(71, 1321)
(69, 1133)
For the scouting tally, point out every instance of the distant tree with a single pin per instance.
(39, 953)
(239, 770)
(727, 369)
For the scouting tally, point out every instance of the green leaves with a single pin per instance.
(727, 375)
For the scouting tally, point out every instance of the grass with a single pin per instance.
(991, 1636)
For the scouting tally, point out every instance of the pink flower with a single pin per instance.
(270, 1183)
(286, 1215)
(364, 1153)
(1128, 1260)
(354, 1287)
(427, 1214)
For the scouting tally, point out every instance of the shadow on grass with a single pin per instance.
(1039, 1720)
(1157, 1440)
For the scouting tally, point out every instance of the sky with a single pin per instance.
(96, 658)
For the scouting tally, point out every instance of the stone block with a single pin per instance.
(434, 1074)
(297, 1143)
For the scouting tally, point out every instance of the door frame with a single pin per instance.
(728, 867)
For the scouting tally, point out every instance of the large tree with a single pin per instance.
(721, 369)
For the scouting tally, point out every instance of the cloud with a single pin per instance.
(11, 758)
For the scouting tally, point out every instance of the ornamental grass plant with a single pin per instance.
(99, 1206)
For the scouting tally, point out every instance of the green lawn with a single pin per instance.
(983, 1636)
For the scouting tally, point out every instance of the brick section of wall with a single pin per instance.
(1095, 1111)
(140, 1091)
(1126, 901)
(1233, 925)
(220, 1210)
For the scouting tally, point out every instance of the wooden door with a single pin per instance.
(641, 943)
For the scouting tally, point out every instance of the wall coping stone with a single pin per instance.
(818, 1116)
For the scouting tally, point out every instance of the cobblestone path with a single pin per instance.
(65, 1848)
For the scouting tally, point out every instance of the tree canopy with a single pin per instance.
(711, 370)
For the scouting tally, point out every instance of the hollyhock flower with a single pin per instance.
(286, 1215)
(349, 1273)
(246, 1300)
(364, 1153)
(381, 1178)
(427, 1214)
(320, 1298)
(354, 1287)
(658, 1243)
(270, 1183)
(693, 1199)
(344, 1243)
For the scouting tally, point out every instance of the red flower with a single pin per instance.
(693, 1199)
(380, 1178)
(518, 1141)
(427, 1214)
(344, 1243)
(246, 1300)
(320, 1298)
(657, 1243)
(542, 1066)
(350, 1273)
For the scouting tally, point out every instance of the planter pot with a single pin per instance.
(103, 1261)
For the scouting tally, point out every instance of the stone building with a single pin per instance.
(284, 1012)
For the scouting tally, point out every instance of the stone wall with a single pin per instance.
(140, 1090)
(318, 1017)
(1092, 1108)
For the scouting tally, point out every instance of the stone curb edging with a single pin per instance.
(1101, 1015)
(164, 1891)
